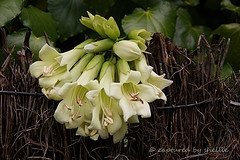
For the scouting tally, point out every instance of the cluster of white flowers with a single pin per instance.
(102, 85)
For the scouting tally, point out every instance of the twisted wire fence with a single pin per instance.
(201, 119)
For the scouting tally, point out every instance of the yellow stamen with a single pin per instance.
(68, 107)
(47, 71)
(74, 117)
(79, 101)
(134, 97)
(93, 132)
(107, 121)
(86, 130)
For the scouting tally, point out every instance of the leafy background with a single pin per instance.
(180, 20)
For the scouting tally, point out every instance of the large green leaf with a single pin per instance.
(16, 40)
(39, 22)
(67, 13)
(157, 19)
(9, 9)
(231, 31)
(185, 34)
(97, 5)
(146, 3)
(227, 71)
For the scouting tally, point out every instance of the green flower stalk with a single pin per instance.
(127, 50)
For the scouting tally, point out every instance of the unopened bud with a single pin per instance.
(127, 50)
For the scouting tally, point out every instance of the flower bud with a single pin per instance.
(70, 57)
(107, 68)
(123, 70)
(98, 23)
(123, 66)
(81, 45)
(127, 50)
(78, 68)
(48, 53)
(88, 21)
(107, 75)
(111, 29)
(140, 34)
(140, 44)
(99, 46)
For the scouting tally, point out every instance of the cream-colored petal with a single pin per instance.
(62, 114)
(78, 68)
(133, 77)
(147, 92)
(115, 90)
(37, 68)
(103, 133)
(120, 134)
(128, 108)
(96, 120)
(117, 123)
(48, 53)
(159, 81)
(70, 57)
(74, 123)
(143, 68)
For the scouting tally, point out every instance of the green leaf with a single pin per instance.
(185, 34)
(39, 22)
(146, 3)
(227, 71)
(9, 9)
(231, 31)
(157, 19)
(227, 4)
(16, 40)
(67, 13)
(97, 5)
